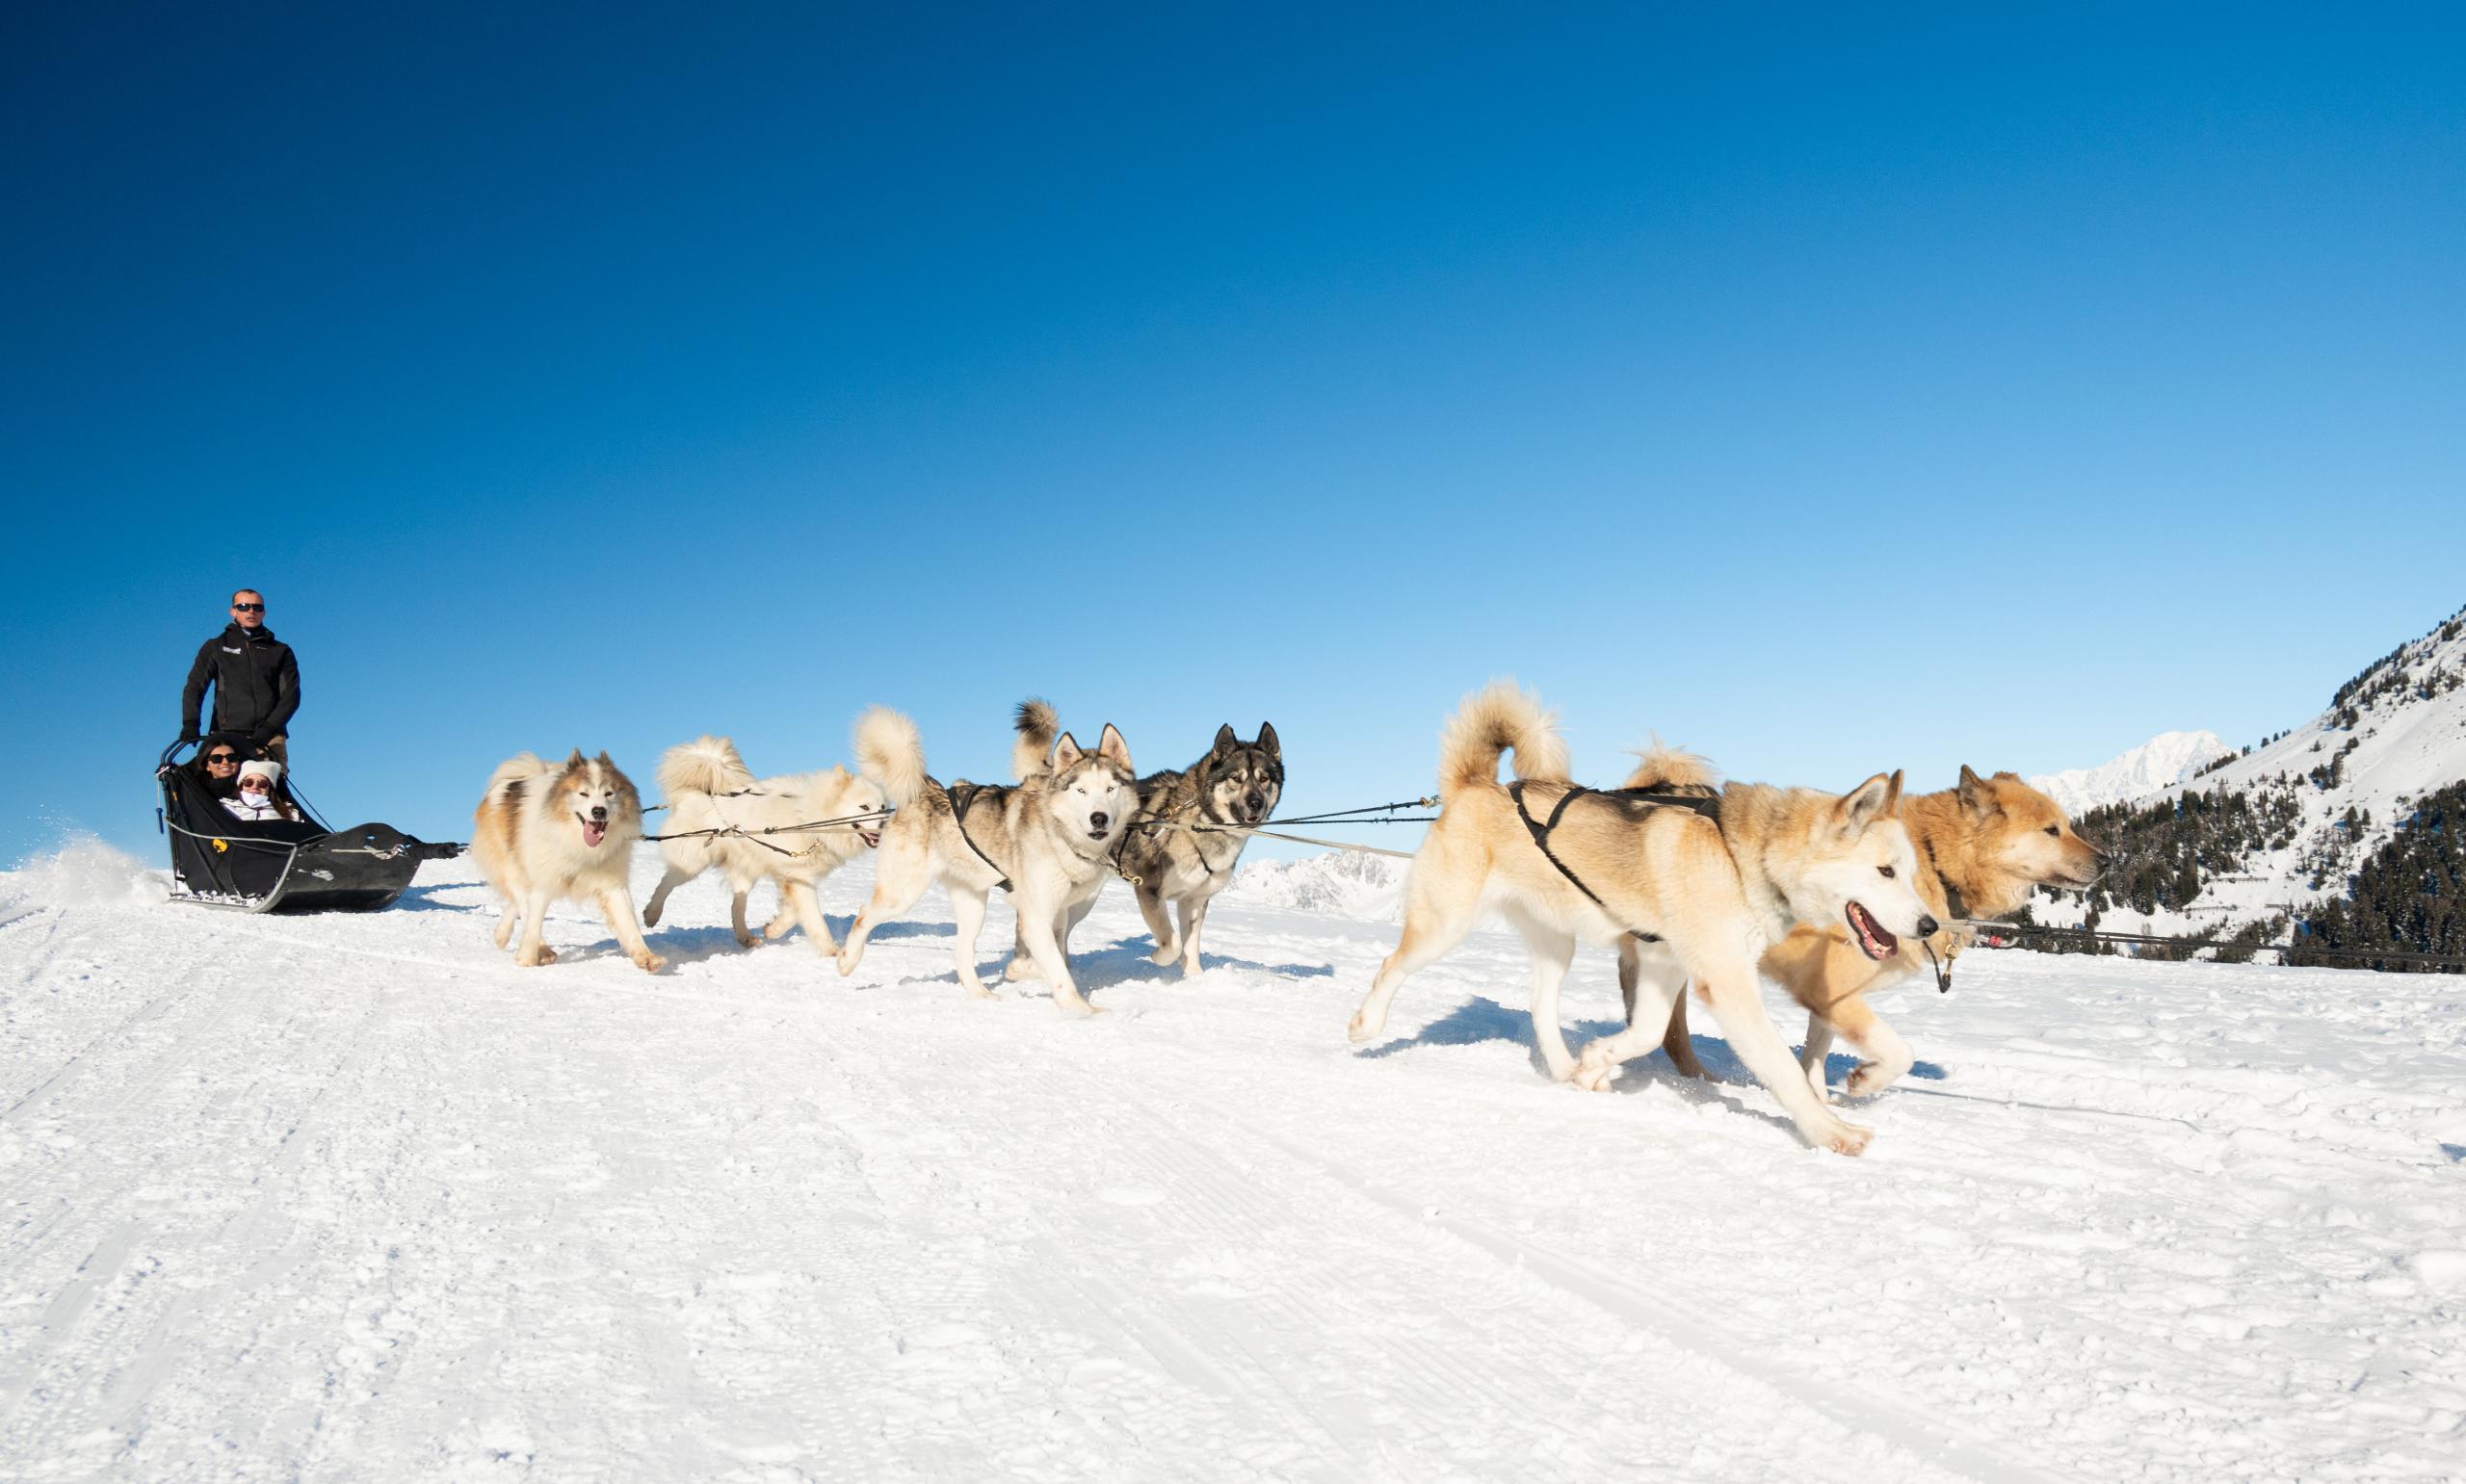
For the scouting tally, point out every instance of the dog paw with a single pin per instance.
(980, 992)
(1846, 1139)
(826, 949)
(848, 958)
(1593, 1076)
(1165, 953)
(650, 963)
(1362, 1029)
(1871, 1076)
(1020, 968)
(746, 940)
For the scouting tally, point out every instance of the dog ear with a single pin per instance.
(1113, 747)
(1225, 740)
(575, 760)
(1863, 804)
(1976, 797)
(1266, 741)
(1066, 752)
(1892, 796)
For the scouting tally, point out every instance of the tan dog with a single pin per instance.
(1982, 846)
(545, 833)
(1717, 887)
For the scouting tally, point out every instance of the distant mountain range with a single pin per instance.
(2158, 765)
(2345, 827)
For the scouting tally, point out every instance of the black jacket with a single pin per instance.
(255, 680)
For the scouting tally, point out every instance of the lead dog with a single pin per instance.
(1187, 837)
(1046, 839)
(1565, 863)
(708, 788)
(543, 833)
(1984, 845)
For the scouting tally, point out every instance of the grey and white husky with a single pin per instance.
(1049, 839)
(1188, 836)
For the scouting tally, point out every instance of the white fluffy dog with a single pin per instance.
(709, 788)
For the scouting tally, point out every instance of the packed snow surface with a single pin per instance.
(352, 1198)
(2163, 761)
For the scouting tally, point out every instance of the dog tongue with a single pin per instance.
(593, 834)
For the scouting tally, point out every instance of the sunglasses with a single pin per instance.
(222, 759)
(256, 778)
(248, 607)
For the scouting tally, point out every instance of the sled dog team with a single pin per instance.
(1692, 882)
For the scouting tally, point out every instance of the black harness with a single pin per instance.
(962, 795)
(1656, 796)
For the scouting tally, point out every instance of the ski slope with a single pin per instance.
(352, 1198)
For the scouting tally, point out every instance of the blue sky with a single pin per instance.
(1829, 391)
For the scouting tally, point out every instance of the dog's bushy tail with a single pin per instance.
(889, 752)
(1496, 719)
(515, 769)
(1037, 725)
(706, 765)
(1664, 767)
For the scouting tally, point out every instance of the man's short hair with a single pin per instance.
(236, 591)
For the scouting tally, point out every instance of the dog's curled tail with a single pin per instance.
(1037, 725)
(513, 770)
(889, 752)
(1495, 719)
(1664, 767)
(706, 765)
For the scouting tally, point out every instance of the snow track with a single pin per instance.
(351, 1197)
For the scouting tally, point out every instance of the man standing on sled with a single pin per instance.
(255, 680)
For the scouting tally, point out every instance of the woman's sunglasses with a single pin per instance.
(222, 759)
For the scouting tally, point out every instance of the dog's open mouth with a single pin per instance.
(1877, 942)
(871, 837)
(594, 831)
(1099, 834)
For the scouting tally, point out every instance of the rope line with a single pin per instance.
(1989, 930)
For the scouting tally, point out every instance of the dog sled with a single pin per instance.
(280, 865)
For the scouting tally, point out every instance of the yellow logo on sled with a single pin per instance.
(220, 846)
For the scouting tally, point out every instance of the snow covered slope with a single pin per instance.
(1369, 887)
(2393, 734)
(352, 1198)
(2160, 764)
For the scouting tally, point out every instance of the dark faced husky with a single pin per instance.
(1048, 839)
(1188, 836)
(709, 790)
(545, 833)
(1719, 887)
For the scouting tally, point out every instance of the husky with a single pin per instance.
(547, 832)
(1189, 832)
(1048, 840)
(708, 787)
(1983, 843)
(1718, 886)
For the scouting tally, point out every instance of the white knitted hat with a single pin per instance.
(265, 767)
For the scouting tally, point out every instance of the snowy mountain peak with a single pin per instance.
(2161, 763)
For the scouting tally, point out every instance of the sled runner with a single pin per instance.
(279, 865)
